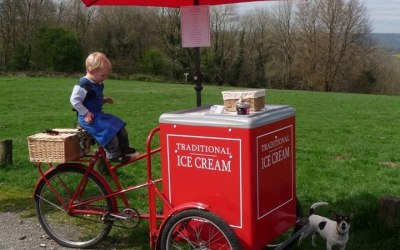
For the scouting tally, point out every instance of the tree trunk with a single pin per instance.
(389, 212)
(5, 152)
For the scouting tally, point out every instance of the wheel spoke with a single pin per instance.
(198, 229)
(79, 225)
(51, 203)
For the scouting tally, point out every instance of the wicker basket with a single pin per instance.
(255, 97)
(58, 147)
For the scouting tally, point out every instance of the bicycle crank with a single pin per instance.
(129, 218)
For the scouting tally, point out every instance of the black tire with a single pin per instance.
(198, 229)
(290, 232)
(67, 229)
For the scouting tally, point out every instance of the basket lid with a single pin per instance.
(49, 137)
(243, 94)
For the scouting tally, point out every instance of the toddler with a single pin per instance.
(87, 98)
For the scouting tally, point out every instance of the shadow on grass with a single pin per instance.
(366, 231)
(134, 238)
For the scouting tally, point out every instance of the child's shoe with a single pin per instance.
(120, 159)
(131, 153)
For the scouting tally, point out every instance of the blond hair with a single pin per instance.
(96, 61)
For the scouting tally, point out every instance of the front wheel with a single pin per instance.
(198, 229)
(66, 226)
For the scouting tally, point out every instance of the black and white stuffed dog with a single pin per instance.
(335, 232)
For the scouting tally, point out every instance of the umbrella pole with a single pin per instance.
(198, 76)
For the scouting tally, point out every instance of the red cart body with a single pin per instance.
(241, 166)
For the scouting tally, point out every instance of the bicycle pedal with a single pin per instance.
(121, 159)
(132, 155)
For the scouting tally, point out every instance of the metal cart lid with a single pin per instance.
(201, 116)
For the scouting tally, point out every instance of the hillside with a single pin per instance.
(389, 41)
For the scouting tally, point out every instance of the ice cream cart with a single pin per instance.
(241, 167)
(227, 182)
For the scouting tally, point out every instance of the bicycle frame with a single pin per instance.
(74, 207)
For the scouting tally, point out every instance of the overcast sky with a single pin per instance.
(384, 14)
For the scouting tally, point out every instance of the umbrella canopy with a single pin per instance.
(197, 77)
(163, 3)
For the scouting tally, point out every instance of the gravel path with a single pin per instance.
(23, 233)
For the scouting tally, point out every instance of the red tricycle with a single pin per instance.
(227, 182)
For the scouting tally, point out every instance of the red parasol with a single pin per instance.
(173, 4)
(163, 3)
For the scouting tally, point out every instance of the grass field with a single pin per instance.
(348, 150)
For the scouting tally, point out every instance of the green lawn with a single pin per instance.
(348, 150)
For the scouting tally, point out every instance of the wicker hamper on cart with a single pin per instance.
(255, 97)
(61, 145)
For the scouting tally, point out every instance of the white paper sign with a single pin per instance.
(195, 26)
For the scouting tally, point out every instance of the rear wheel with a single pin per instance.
(290, 232)
(198, 229)
(67, 228)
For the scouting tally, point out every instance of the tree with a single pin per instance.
(153, 62)
(74, 16)
(180, 60)
(256, 26)
(307, 44)
(332, 34)
(19, 21)
(124, 34)
(314, 45)
(282, 43)
(385, 69)
(222, 55)
(57, 49)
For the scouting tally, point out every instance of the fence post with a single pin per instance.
(389, 211)
(5, 152)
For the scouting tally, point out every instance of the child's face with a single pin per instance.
(99, 75)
